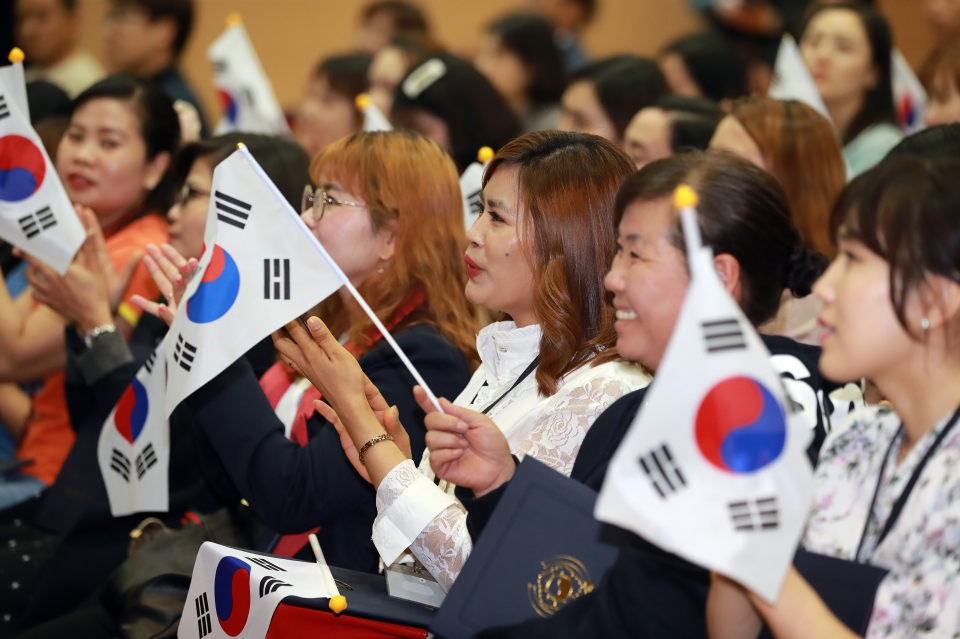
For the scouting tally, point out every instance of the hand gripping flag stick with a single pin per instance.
(346, 282)
(338, 603)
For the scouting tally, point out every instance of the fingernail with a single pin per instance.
(183, 269)
(313, 323)
(163, 309)
(462, 426)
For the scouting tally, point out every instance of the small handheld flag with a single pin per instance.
(234, 593)
(134, 445)
(471, 184)
(791, 78)
(909, 96)
(246, 95)
(13, 77)
(36, 215)
(714, 466)
(373, 118)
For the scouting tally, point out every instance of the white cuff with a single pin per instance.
(402, 522)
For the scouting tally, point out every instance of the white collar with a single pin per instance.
(506, 350)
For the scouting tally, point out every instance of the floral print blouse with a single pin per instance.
(920, 596)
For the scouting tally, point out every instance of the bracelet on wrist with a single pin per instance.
(92, 336)
(372, 442)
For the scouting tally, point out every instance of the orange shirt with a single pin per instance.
(49, 436)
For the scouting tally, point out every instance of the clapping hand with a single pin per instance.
(172, 272)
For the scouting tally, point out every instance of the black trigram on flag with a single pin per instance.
(4, 111)
(276, 279)
(263, 563)
(760, 514)
(662, 471)
(121, 464)
(150, 360)
(271, 584)
(220, 66)
(145, 460)
(204, 627)
(473, 202)
(184, 353)
(723, 335)
(231, 210)
(32, 224)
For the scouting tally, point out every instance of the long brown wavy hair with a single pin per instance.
(406, 179)
(568, 185)
(802, 150)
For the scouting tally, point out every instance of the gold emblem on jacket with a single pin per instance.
(563, 579)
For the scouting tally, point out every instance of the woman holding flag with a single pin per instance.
(535, 256)
(885, 490)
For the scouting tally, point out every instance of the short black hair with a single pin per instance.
(180, 11)
(693, 121)
(346, 74)
(936, 142)
(714, 64)
(159, 125)
(530, 37)
(406, 16)
(624, 84)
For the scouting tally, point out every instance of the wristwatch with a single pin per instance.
(92, 336)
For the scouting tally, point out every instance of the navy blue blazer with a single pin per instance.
(293, 488)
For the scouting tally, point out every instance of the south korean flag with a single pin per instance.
(246, 95)
(714, 466)
(261, 267)
(234, 593)
(134, 445)
(36, 215)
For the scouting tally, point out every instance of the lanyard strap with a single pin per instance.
(914, 478)
(526, 373)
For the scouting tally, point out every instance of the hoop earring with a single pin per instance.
(925, 324)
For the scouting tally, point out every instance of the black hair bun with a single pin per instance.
(803, 270)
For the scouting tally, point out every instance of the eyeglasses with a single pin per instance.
(188, 192)
(318, 200)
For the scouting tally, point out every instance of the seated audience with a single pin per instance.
(520, 58)
(890, 304)
(328, 110)
(47, 31)
(757, 253)
(446, 99)
(113, 160)
(847, 47)
(602, 97)
(73, 525)
(537, 255)
(569, 18)
(672, 125)
(704, 65)
(800, 148)
(392, 63)
(382, 20)
(146, 38)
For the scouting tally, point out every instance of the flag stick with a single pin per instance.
(338, 603)
(346, 282)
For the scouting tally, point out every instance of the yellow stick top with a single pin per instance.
(234, 20)
(485, 154)
(362, 101)
(684, 197)
(16, 55)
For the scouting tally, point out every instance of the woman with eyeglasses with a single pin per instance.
(97, 377)
(399, 238)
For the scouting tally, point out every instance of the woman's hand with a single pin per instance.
(466, 447)
(93, 256)
(389, 419)
(80, 295)
(172, 272)
(730, 614)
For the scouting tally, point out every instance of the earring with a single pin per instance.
(925, 324)
(383, 258)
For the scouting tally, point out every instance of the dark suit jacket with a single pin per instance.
(648, 593)
(293, 488)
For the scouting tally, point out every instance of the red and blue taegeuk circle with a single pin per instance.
(231, 594)
(132, 411)
(22, 168)
(218, 289)
(740, 426)
(229, 105)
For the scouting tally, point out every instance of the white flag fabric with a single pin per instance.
(713, 468)
(134, 445)
(791, 78)
(261, 267)
(471, 184)
(234, 593)
(909, 95)
(12, 76)
(246, 95)
(36, 215)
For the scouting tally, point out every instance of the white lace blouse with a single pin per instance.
(415, 513)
